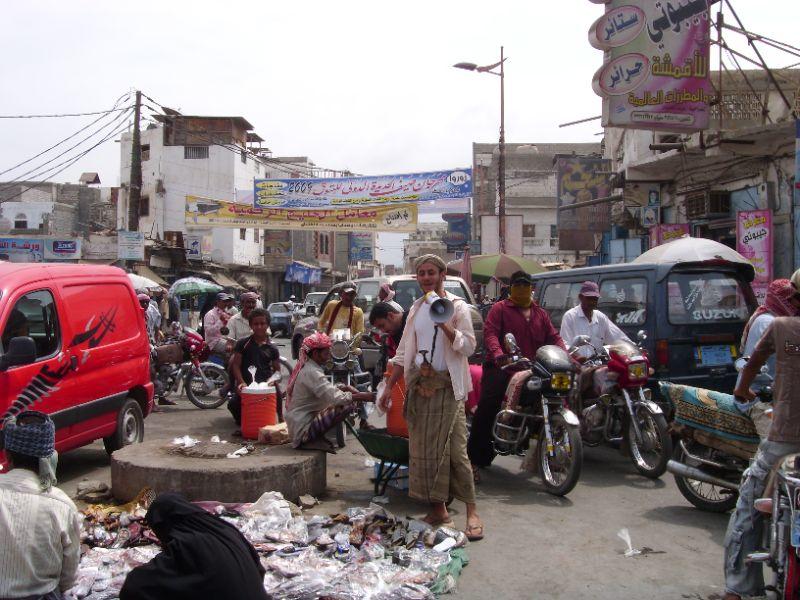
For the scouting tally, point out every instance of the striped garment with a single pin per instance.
(40, 533)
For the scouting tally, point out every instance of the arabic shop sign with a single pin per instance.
(14, 249)
(581, 179)
(754, 242)
(655, 75)
(382, 190)
(667, 232)
(206, 212)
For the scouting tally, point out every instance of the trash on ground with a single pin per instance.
(307, 501)
(381, 499)
(625, 536)
(360, 553)
(185, 442)
(274, 435)
(93, 491)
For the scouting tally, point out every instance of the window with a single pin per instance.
(195, 152)
(624, 301)
(255, 235)
(324, 244)
(21, 221)
(705, 298)
(145, 152)
(244, 156)
(243, 234)
(558, 298)
(553, 231)
(144, 206)
(529, 231)
(34, 315)
(367, 295)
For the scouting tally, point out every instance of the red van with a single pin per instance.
(74, 345)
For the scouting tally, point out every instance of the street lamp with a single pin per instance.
(501, 167)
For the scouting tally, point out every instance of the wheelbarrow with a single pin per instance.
(391, 450)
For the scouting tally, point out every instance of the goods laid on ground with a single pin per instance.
(361, 553)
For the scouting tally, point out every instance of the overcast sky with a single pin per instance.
(365, 86)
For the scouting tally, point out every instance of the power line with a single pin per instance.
(56, 145)
(53, 116)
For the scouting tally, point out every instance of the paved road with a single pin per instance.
(537, 546)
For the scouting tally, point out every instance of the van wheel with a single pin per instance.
(130, 427)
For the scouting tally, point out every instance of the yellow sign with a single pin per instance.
(205, 212)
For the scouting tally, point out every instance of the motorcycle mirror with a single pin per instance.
(641, 335)
(741, 362)
(510, 343)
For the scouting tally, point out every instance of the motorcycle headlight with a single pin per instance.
(340, 350)
(560, 382)
(637, 370)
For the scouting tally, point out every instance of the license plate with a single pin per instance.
(713, 356)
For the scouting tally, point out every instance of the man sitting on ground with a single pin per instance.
(39, 525)
(314, 404)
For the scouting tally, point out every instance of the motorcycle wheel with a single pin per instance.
(196, 389)
(705, 496)
(560, 473)
(650, 458)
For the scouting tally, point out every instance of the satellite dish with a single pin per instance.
(5, 226)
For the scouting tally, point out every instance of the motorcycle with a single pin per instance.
(706, 465)
(542, 414)
(181, 361)
(344, 369)
(624, 411)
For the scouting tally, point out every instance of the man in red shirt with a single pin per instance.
(533, 329)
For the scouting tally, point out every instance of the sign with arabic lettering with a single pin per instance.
(15, 249)
(657, 64)
(206, 212)
(754, 242)
(581, 179)
(381, 190)
(667, 232)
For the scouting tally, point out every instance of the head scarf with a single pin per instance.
(430, 258)
(312, 342)
(248, 296)
(36, 439)
(386, 293)
(202, 557)
(777, 302)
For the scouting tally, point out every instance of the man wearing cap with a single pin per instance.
(39, 525)
(342, 314)
(214, 320)
(239, 324)
(532, 328)
(585, 319)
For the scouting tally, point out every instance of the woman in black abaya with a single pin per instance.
(202, 557)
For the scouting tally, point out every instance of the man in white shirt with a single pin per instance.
(239, 324)
(39, 525)
(585, 319)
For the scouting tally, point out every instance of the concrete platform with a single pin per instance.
(273, 468)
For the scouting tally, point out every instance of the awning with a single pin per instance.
(226, 281)
(146, 271)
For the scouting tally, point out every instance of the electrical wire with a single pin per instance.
(84, 114)
(66, 139)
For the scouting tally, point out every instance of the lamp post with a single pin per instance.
(501, 163)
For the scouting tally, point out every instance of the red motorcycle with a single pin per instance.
(623, 409)
(182, 360)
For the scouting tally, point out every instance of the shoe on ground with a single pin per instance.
(166, 402)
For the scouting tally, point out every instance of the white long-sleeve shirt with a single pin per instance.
(601, 330)
(40, 536)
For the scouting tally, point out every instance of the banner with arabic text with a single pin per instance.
(379, 190)
(206, 212)
(754, 242)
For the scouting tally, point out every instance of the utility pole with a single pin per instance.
(135, 189)
(501, 175)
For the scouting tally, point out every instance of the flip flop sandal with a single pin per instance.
(440, 523)
(474, 532)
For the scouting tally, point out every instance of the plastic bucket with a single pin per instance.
(259, 408)
(396, 423)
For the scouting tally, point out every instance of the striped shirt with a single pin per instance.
(40, 533)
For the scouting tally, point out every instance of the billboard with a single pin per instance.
(459, 231)
(206, 212)
(754, 242)
(667, 232)
(130, 245)
(362, 246)
(277, 243)
(580, 179)
(14, 249)
(657, 63)
(380, 190)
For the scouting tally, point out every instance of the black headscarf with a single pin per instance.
(202, 557)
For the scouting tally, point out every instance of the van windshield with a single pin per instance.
(708, 297)
(407, 291)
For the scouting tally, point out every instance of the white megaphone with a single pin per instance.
(441, 308)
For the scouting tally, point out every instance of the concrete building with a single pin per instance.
(744, 161)
(427, 239)
(530, 179)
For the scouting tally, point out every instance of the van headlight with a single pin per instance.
(559, 382)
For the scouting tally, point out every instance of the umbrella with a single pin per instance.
(143, 283)
(501, 266)
(691, 250)
(193, 286)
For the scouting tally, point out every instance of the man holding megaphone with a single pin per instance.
(432, 355)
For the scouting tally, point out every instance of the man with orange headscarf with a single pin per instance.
(314, 403)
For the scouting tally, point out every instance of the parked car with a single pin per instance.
(280, 319)
(74, 345)
(406, 292)
(312, 302)
(693, 313)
